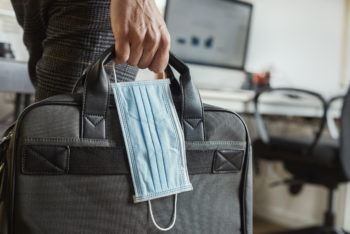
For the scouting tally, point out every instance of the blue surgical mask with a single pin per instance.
(154, 141)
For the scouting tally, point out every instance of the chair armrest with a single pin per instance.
(333, 130)
(261, 126)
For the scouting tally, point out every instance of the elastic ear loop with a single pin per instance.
(173, 218)
(115, 72)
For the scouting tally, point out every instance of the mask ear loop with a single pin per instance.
(114, 72)
(173, 218)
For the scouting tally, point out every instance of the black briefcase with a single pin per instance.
(63, 166)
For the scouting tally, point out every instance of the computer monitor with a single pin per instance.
(209, 32)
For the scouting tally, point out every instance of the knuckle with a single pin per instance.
(122, 57)
(122, 34)
(142, 65)
(132, 63)
(155, 68)
(138, 37)
(165, 41)
(152, 37)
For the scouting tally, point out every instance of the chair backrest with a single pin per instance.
(345, 136)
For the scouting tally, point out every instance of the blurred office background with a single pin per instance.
(286, 43)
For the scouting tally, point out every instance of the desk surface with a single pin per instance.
(14, 78)
(241, 101)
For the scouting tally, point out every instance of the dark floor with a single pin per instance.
(262, 226)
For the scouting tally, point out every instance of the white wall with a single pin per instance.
(10, 31)
(300, 40)
(347, 68)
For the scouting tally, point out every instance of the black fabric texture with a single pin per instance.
(88, 203)
(100, 205)
(74, 198)
(48, 159)
(227, 161)
(85, 160)
(220, 125)
(58, 121)
(76, 203)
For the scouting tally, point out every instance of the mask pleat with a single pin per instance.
(153, 139)
(138, 136)
(152, 159)
(156, 113)
(169, 140)
(128, 107)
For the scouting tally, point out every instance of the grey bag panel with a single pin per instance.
(103, 204)
(51, 121)
(248, 194)
(222, 125)
(80, 204)
(77, 204)
(3, 190)
(205, 210)
(63, 121)
(6, 156)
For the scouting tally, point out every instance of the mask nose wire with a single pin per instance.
(173, 218)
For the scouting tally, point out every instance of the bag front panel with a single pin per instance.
(69, 200)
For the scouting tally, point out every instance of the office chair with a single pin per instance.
(315, 162)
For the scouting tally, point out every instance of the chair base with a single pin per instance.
(316, 230)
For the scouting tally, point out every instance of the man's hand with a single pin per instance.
(142, 38)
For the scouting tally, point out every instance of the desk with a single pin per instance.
(14, 77)
(241, 101)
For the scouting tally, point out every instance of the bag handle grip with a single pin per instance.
(96, 94)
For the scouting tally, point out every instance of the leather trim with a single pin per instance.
(54, 160)
(94, 127)
(96, 98)
(228, 161)
(85, 160)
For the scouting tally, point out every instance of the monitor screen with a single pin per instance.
(209, 32)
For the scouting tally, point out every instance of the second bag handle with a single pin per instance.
(96, 100)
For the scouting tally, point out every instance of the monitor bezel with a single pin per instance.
(241, 68)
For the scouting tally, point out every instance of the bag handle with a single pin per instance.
(97, 91)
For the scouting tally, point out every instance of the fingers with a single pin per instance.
(146, 48)
(149, 49)
(136, 47)
(142, 38)
(161, 58)
(122, 48)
